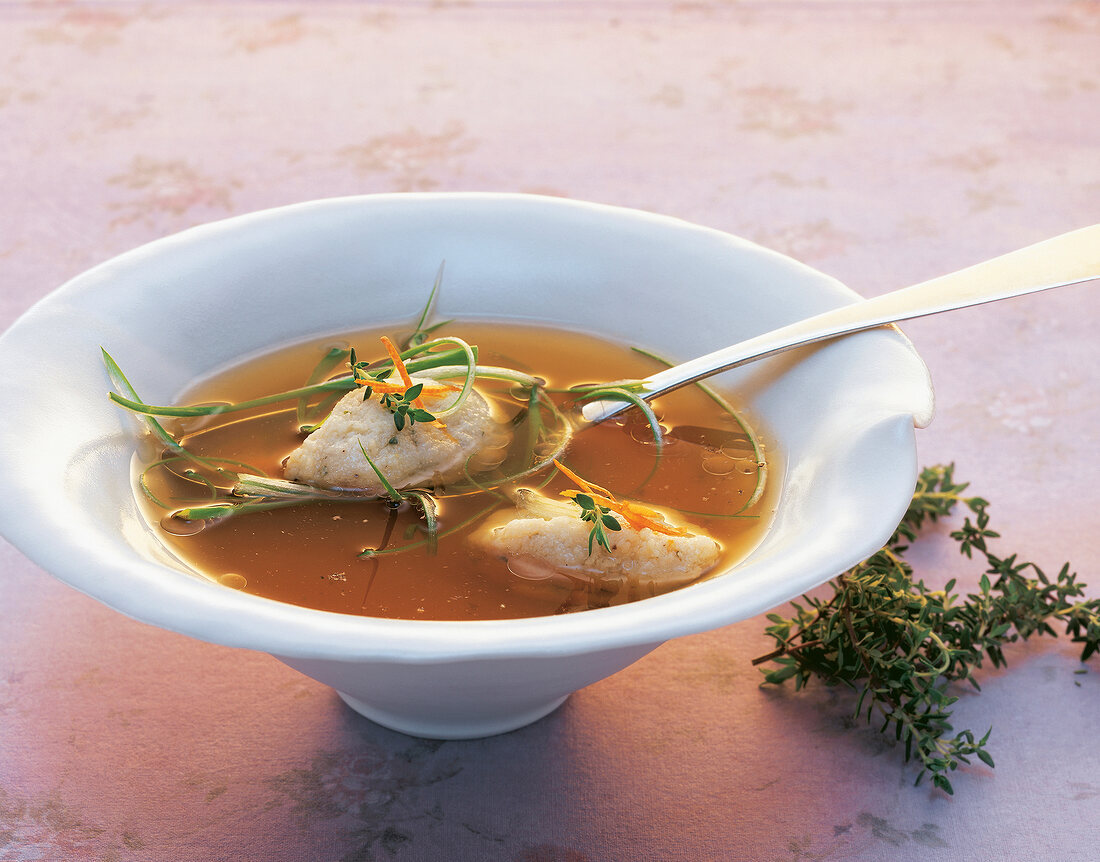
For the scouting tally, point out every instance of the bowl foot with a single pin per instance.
(455, 728)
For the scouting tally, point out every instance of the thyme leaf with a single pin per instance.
(902, 644)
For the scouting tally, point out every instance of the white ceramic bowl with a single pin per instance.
(841, 415)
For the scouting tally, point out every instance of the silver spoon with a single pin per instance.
(1067, 259)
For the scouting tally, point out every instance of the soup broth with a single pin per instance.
(310, 554)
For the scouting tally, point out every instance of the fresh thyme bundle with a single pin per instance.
(901, 644)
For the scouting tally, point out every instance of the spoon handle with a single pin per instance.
(1062, 260)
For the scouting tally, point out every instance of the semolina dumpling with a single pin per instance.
(418, 454)
(561, 542)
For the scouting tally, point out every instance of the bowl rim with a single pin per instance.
(236, 619)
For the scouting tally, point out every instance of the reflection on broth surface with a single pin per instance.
(706, 482)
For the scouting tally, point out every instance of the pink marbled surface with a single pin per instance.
(880, 141)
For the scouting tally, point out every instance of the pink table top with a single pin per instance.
(881, 141)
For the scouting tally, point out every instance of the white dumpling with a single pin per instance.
(419, 454)
(640, 556)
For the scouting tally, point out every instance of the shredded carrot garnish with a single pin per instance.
(636, 515)
(399, 364)
(389, 387)
(406, 378)
(583, 484)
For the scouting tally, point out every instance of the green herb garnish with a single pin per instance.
(901, 644)
(403, 407)
(422, 331)
(601, 519)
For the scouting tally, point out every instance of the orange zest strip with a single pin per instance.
(398, 363)
(643, 516)
(583, 484)
(636, 515)
(388, 387)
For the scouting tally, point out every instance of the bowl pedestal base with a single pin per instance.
(451, 729)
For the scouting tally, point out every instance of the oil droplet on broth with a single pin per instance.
(174, 525)
(719, 465)
(233, 581)
(640, 432)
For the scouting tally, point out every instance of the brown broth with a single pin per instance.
(308, 554)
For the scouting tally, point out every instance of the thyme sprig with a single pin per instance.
(600, 518)
(403, 406)
(404, 401)
(902, 644)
